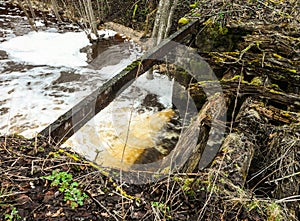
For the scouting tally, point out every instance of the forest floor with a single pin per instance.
(40, 181)
(255, 175)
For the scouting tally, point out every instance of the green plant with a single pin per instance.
(134, 11)
(67, 186)
(221, 15)
(274, 212)
(161, 207)
(183, 21)
(13, 215)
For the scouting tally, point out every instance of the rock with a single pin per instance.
(3, 55)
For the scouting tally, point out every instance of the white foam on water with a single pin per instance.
(48, 48)
(31, 97)
(46, 74)
(34, 91)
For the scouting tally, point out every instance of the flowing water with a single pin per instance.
(43, 74)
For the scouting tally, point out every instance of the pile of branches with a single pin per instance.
(254, 49)
(254, 38)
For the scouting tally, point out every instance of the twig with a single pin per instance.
(285, 177)
(289, 199)
(236, 100)
(12, 194)
(100, 205)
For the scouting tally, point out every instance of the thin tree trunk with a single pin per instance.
(55, 10)
(162, 24)
(170, 18)
(91, 18)
(157, 19)
(30, 20)
(31, 9)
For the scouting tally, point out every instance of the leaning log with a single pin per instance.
(206, 130)
(70, 122)
(187, 154)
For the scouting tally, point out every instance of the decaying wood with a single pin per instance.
(253, 46)
(253, 39)
(183, 157)
(235, 157)
(287, 101)
(276, 149)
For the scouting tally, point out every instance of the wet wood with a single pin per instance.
(70, 122)
(186, 155)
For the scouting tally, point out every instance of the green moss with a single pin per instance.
(183, 21)
(274, 92)
(216, 30)
(234, 78)
(231, 53)
(201, 83)
(222, 30)
(286, 114)
(176, 179)
(193, 6)
(274, 86)
(292, 70)
(290, 115)
(133, 65)
(256, 81)
(187, 186)
(277, 56)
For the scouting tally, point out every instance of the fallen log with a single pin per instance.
(230, 88)
(193, 141)
(276, 146)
